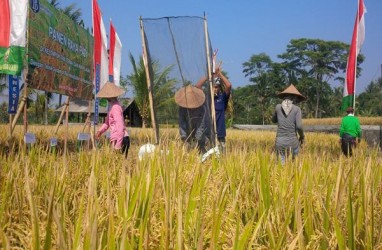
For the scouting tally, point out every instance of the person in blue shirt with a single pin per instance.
(222, 92)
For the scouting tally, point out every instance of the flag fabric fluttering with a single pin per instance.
(100, 46)
(115, 54)
(351, 69)
(100, 54)
(13, 17)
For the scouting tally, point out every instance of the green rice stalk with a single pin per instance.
(60, 223)
(33, 212)
(338, 189)
(48, 235)
(4, 244)
(78, 226)
(326, 216)
(166, 192)
(264, 185)
(339, 234)
(91, 239)
(308, 201)
(111, 239)
(194, 205)
(147, 192)
(256, 229)
(297, 239)
(6, 195)
(179, 233)
(244, 237)
(218, 216)
(350, 218)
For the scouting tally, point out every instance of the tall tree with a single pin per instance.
(370, 101)
(246, 110)
(268, 77)
(318, 60)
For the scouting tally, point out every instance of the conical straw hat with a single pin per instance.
(291, 90)
(190, 97)
(110, 90)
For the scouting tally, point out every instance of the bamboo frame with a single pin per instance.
(149, 83)
(213, 115)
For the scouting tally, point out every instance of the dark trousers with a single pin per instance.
(347, 144)
(125, 145)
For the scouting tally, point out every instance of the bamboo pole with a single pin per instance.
(25, 118)
(62, 115)
(88, 125)
(66, 126)
(10, 130)
(19, 110)
(149, 83)
(213, 115)
(87, 121)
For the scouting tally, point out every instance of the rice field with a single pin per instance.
(96, 199)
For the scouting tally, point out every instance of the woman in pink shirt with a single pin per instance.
(119, 137)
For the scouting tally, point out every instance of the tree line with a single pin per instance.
(312, 65)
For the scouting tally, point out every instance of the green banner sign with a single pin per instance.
(60, 56)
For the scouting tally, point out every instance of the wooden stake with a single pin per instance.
(19, 110)
(62, 115)
(66, 125)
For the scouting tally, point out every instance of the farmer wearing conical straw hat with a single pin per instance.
(193, 121)
(119, 137)
(288, 117)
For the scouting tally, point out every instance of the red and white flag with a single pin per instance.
(351, 69)
(100, 48)
(13, 16)
(115, 54)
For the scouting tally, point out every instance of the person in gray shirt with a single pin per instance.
(288, 117)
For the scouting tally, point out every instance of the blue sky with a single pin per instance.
(241, 28)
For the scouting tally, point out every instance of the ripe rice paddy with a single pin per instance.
(92, 199)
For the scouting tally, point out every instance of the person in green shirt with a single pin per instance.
(350, 130)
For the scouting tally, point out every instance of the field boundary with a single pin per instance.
(372, 134)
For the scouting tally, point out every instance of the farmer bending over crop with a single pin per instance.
(193, 120)
(119, 137)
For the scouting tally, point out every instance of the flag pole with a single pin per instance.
(356, 56)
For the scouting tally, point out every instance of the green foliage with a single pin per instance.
(268, 77)
(316, 62)
(370, 101)
(311, 65)
(163, 90)
(246, 110)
